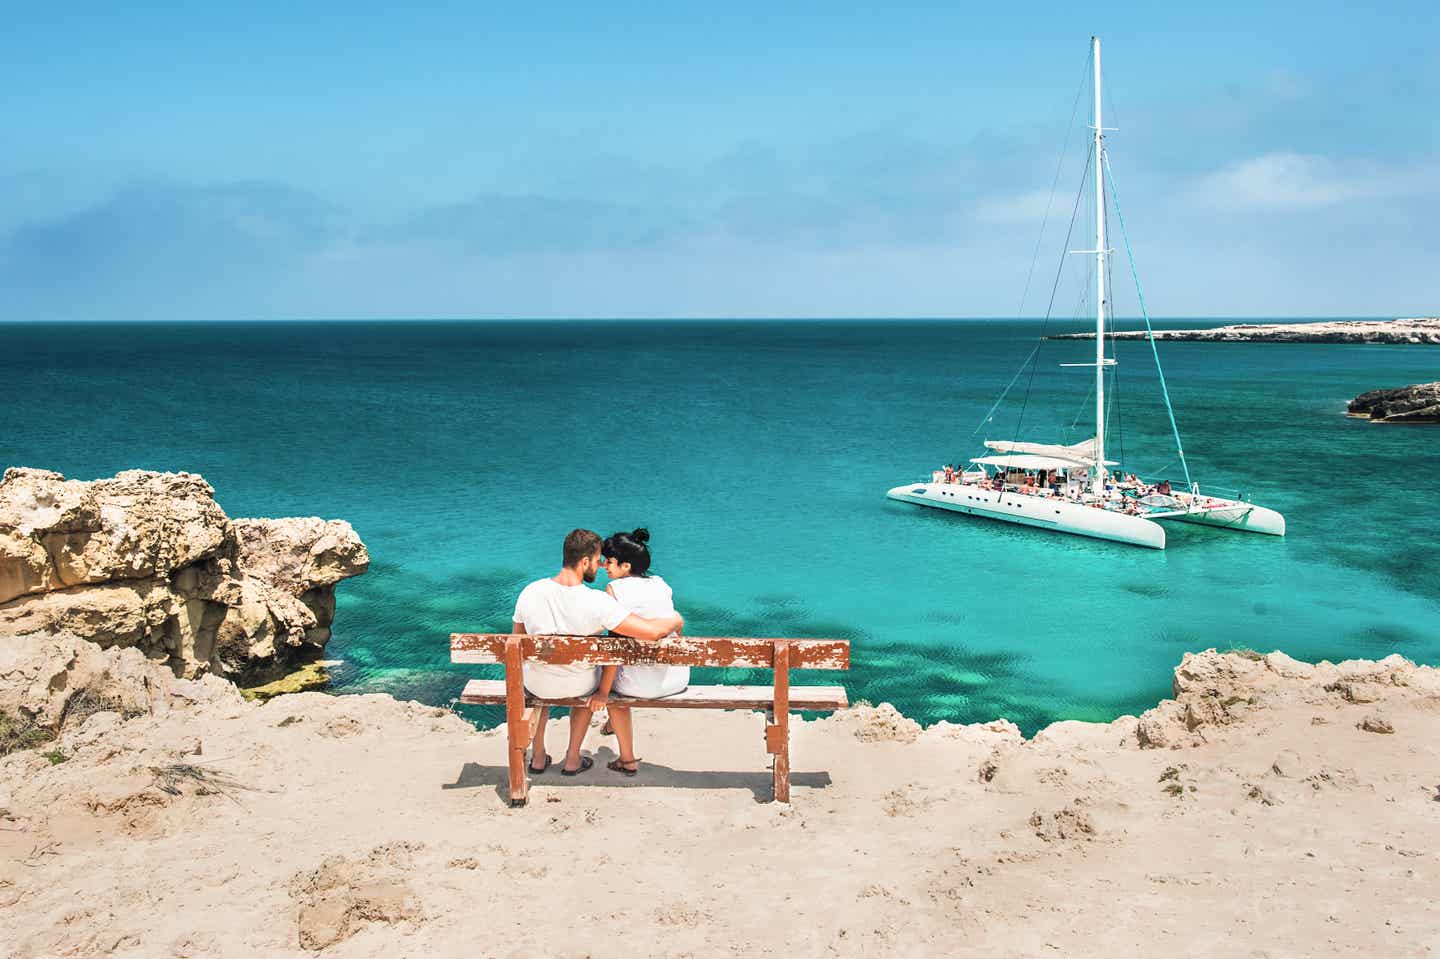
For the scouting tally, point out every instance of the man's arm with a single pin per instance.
(637, 627)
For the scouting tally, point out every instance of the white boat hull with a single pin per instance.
(1245, 517)
(1058, 515)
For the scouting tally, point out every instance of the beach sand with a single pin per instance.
(1268, 822)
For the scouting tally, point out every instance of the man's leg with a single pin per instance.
(623, 720)
(537, 745)
(579, 724)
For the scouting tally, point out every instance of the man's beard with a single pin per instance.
(590, 575)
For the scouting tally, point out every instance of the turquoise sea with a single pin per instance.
(758, 454)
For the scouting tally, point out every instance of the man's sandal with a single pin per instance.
(536, 772)
(585, 763)
(618, 765)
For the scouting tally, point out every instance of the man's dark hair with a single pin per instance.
(580, 544)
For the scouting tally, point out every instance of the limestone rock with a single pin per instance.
(1419, 403)
(1356, 692)
(1162, 726)
(150, 560)
(302, 553)
(44, 678)
(1375, 723)
(1288, 668)
(1411, 330)
(883, 723)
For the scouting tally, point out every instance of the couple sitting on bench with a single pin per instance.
(634, 603)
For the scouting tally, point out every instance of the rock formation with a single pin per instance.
(1408, 404)
(1417, 331)
(1295, 812)
(150, 560)
(1214, 689)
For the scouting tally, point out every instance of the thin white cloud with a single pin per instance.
(1300, 181)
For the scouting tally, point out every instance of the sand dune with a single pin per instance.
(1270, 814)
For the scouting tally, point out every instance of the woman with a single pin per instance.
(627, 563)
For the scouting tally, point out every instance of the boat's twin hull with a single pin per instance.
(1064, 516)
(1055, 514)
(1245, 517)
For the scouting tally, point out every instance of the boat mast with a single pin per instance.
(1098, 484)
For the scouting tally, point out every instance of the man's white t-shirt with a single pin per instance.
(545, 606)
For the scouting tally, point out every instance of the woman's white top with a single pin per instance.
(649, 597)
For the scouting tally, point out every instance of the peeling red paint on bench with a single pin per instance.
(732, 651)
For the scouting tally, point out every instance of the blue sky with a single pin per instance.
(178, 162)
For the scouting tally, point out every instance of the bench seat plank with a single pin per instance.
(482, 692)
(740, 652)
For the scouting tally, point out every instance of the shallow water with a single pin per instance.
(758, 455)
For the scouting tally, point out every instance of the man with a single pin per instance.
(564, 605)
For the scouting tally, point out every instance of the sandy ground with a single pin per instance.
(362, 826)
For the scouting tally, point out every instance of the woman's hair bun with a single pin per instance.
(641, 535)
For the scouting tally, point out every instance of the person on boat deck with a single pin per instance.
(1163, 488)
(627, 563)
(564, 605)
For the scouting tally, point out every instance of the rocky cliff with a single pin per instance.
(1415, 331)
(150, 560)
(1272, 808)
(1408, 404)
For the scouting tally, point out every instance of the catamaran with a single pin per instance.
(1072, 488)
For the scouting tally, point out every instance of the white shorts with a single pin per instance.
(561, 682)
(651, 681)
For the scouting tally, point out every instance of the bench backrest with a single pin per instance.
(742, 652)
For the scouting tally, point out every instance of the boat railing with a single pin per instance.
(1219, 492)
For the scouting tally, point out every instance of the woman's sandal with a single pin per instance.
(536, 772)
(618, 765)
(585, 763)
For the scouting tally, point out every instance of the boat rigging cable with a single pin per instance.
(1039, 241)
(1149, 332)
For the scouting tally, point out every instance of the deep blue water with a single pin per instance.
(758, 454)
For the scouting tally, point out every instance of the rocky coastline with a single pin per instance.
(1419, 403)
(1289, 806)
(1412, 331)
(150, 561)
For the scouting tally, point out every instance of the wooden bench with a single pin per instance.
(781, 655)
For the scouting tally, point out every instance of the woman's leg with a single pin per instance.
(537, 745)
(623, 721)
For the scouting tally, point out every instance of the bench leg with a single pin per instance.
(777, 734)
(516, 726)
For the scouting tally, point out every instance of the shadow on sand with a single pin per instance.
(760, 784)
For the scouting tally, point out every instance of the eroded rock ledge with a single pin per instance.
(150, 561)
(1413, 331)
(1419, 403)
(181, 820)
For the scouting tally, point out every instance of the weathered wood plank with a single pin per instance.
(780, 716)
(515, 725)
(485, 692)
(741, 652)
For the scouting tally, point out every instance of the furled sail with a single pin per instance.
(1081, 454)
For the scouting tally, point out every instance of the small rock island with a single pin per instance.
(1419, 403)
(1415, 331)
